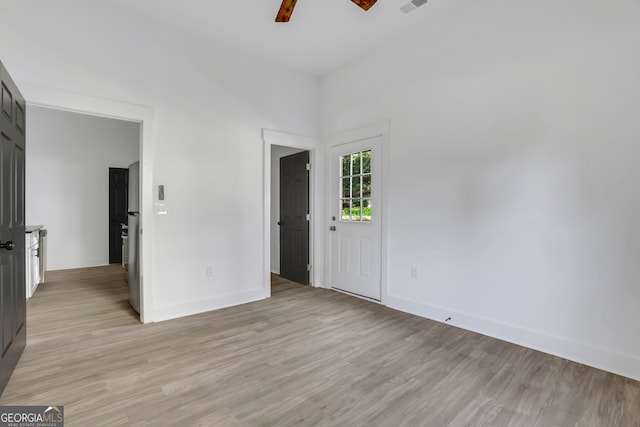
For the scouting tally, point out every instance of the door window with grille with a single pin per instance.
(355, 187)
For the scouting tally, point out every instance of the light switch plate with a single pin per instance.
(160, 192)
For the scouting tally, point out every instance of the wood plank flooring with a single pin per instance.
(305, 357)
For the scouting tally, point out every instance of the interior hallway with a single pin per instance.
(305, 356)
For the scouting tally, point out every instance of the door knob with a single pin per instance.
(332, 228)
(8, 245)
(280, 223)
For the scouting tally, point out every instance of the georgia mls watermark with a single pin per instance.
(31, 416)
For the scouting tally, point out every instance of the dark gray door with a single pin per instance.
(294, 223)
(12, 252)
(118, 214)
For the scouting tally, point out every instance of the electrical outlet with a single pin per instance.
(414, 272)
(210, 270)
(161, 209)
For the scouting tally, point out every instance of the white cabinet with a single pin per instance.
(32, 261)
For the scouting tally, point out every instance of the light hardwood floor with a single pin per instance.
(304, 357)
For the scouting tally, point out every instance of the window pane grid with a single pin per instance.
(355, 188)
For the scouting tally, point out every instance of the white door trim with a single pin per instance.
(115, 109)
(381, 129)
(273, 137)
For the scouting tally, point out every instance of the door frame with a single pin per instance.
(273, 137)
(379, 129)
(114, 109)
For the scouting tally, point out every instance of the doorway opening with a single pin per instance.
(144, 117)
(299, 227)
(77, 165)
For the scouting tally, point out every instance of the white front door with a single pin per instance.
(355, 223)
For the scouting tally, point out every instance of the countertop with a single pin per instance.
(32, 228)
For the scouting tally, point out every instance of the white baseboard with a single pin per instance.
(202, 306)
(53, 264)
(621, 364)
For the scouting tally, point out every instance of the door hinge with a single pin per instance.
(308, 165)
(308, 217)
(308, 267)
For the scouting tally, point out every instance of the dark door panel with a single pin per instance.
(12, 236)
(118, 201)
(294, 225)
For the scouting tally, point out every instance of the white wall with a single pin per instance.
(513, 181)
(277, 152)
(210, 103)
(67, 181)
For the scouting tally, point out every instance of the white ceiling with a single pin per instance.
(322, 34)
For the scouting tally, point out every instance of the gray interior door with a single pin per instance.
(12, 238)
(294, 221)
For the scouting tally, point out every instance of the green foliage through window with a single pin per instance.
(355, 186)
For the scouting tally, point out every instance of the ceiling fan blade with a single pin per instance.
(286, 9)
(365, 4)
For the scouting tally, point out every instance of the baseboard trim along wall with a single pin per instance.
(202, 306)
(621, 364)
(53, 264)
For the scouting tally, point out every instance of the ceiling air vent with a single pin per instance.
(412, 5)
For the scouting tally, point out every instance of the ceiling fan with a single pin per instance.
(286, 8)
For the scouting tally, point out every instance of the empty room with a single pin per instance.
(347, 212)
